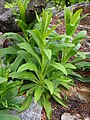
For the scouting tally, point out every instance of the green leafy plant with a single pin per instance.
(36, 63)
(8, 92)
(41, 68)
(43, 60)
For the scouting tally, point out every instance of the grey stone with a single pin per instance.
(1, 6)
(1, 40)
(32, 113)
(68, 116)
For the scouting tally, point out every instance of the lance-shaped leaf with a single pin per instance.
(14, 36)
(50, 85)
(82, 54)
(10, 50)
(5, 115)
(75, 18)
(38, 93)
(47, 107)
(79, 36)
(29, 49)
(48, 53)
(2, 80)
(69, 65)
(26, 66)
(14, 66)
(26, 103)
(46, 18)
(60, 67)
(24, 76)
(60, 101)
(37, 37)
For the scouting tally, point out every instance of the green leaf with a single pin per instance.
(69, 65)
(2, 80)
(59, 101)
(57, 93)
(27, 86)
(27, 66)
(8, 117)
(37, 37)
(14, 66)
(13, 36)
(82, 54)
(67, 15)
(49, 32)
(38, 19)
(24, 76)
(5, 111)
(26, 103)
(22, 10)
(60, 67)
(31, 90)
(5, 115)
(48, 53)
(66, 85)
(60, 46)
(70, 54)
(38, 93)
(75, 18)
(46, 18)
(25, 55)
(47, 107)
(22, 24)
(83, 65)
(25, 3)
(49, 85)
(2, 71)
(59, 37)
(79, 36)
(77, 47)
(10, 50)
(84, 79)
(29, 49)
(71, 20)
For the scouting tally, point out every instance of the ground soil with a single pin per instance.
(75, 106)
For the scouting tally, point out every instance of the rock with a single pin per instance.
(68, 116)
(80, 92)
(1, 40)
(87, 118)
(1, 6)
(34, 5)
(7, 19)
(8, 23)
(32, 113)
(83, 91)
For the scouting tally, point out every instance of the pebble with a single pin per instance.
(68, 116)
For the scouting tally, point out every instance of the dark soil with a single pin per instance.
(75, 107)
